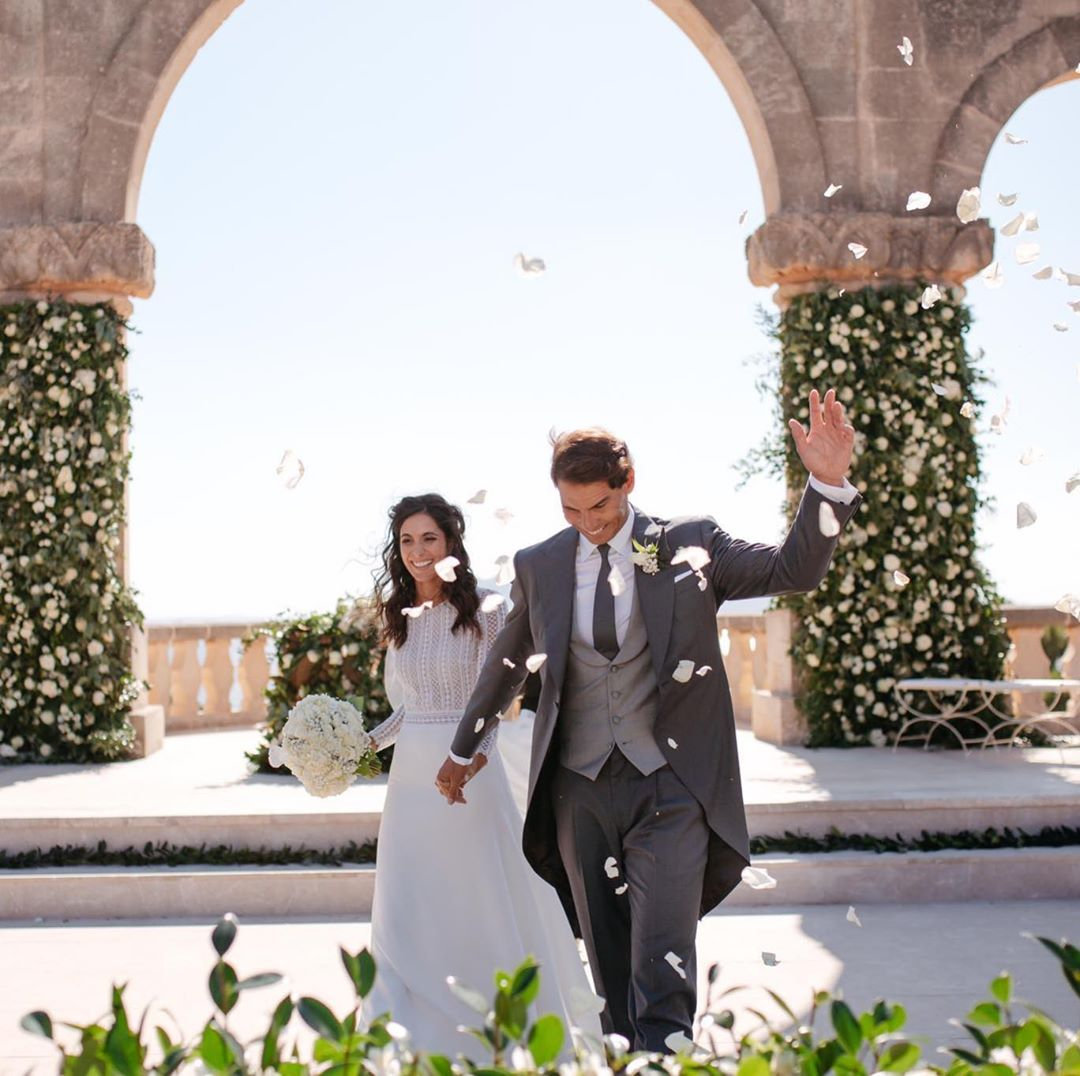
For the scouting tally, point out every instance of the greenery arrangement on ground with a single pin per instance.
(1005, 1036)
(163, 854)
(339, 653)
(906, 595)
(66, 616)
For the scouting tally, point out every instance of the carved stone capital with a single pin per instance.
(806, 251)
(76, 257)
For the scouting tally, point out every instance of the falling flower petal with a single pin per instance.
(529, 266)
(917, 200)
(931, 294)
(1072, 279)
(900, 579)
(1015, 140)
(828, 524)
(1007, 199)
(756, 878)
(473, 998)
(1031, 222)
(676, 963)
(503, 515)
(275, 756)
(620, 889)
(290, 470)
(967, 409)
(742, 216)
(509, 664)
(616, 581)
(704, 670)
(678, 1043)
(672, 744)
(1032, 455)
(445, 569)
(505, 570)
(853, 916)
(1044, 274)
(692, 555)
(478, 497)
(857, 249)
(683, 671)
(999, 421)
(1069, 603)
(968, 204)
(941, 390)
(832, 188)
(769, 960)
(1061, 327)
(1013, 226)
(1026, 252)
(534, 661)
(1072, 482)
(702, 582)
(992, 275)
(1074, 307)
(611, 867)
(415, 610)
(491, 602)
(1025, 515)
(479, 726)
(906, 51)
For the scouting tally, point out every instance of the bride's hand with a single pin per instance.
(477, 764)
(451, 779)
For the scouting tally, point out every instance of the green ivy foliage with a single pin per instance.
(913, 395)
(338, 653)
(66, 617)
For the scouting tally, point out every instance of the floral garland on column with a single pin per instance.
(906, 595)
(66, 617)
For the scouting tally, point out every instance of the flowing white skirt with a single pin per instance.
(454, 895)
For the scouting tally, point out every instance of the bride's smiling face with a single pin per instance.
(422, 545)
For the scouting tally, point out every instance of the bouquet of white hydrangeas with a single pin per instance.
(323, 742)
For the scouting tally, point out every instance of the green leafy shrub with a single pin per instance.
(339, 654)
(66, 616)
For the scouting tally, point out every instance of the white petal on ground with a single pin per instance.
(992, 275)
(857, 250)
(528, 266)
(1026, 252)
(1025, 515)
(1072, 482)
(534, 661)
(619, 890)
(676, 963)
(1069, 603)
(917, 200)
(504, 570)
(828, 524)
(1032, 455)
(611, 867)
(1061, 327)
(415, 610)
(445, 569)
(931, 294)
(503, 515)
(1014, 140)
(853, 916)
(769, 960)
(478, 497)
(290, 470)
(703, 670)
(692, 555)
(832, 189)
(683, 671)
(757, 878)
(616, 581)
(491, 602)
(1013, 226)
(967, 409)
(900, 579)
(1007, 199)
(673, 744)
(968, 204)
(479, 726)
(742, 217)
(906, 51)
(1031, 222)
(1045, 273)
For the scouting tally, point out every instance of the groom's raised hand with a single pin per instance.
(826, 449)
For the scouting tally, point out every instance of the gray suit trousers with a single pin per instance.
(658, 836)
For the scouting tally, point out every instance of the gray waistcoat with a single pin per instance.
(607, 705)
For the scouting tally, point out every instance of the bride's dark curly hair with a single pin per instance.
(395, 589)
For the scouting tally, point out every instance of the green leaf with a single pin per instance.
(437, 1065)
(223, 987)
(1044, 1048)
(526, 984)
(1069, 956)
(366, 976)
(224, 933)
(37, 1023)
(213, 1051)
(546, 1039)
(987, 1013)
(271, 1054)
(473, 998)
(1070, 1061)
(847, 1027)
(899, 1057)
(253, 982)
(1001, 988)
(320, 1019)
(753, 1066)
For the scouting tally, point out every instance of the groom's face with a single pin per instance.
(596, 510)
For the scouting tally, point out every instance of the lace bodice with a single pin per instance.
(431, 677)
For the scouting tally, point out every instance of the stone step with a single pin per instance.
(294, 892)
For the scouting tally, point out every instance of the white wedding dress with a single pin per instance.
(454, 894)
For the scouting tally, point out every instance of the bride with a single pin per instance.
(440, 872)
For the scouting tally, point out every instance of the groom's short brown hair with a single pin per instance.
(590, 455)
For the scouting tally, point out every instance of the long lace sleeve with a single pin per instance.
(491, 624)
(385, 733)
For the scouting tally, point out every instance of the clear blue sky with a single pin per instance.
(336, 202)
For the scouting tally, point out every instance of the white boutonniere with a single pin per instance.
(646, 557)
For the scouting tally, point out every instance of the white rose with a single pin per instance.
(891, 562)
(94, 648)
(47, 662)
(923, 642)
(98, 698)
(813, 660)
(89, 518)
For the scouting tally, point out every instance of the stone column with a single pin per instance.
(89, 262)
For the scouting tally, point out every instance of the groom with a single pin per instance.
(635, 805)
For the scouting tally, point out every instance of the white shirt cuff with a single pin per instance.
(844, 494)
(459, 760)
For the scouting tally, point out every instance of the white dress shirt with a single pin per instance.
(587, 573)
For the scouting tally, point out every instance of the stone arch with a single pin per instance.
(733, 36)
(1040, 59)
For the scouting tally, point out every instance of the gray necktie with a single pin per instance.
(605, 640)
